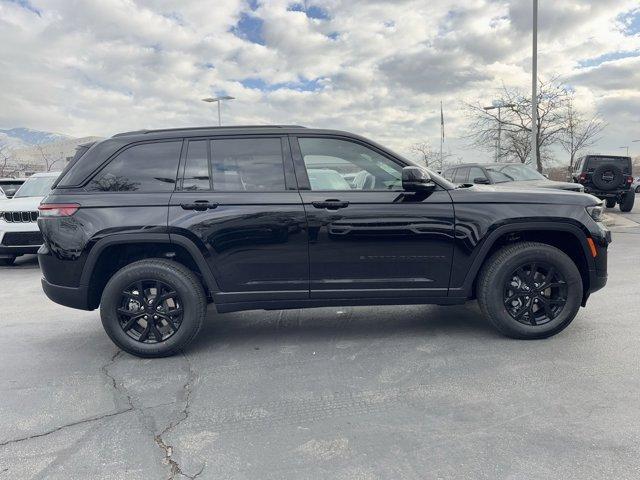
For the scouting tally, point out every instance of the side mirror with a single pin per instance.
(481, 181)
(415, 179)
(545, 175)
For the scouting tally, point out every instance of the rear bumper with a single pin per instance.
(73, 297)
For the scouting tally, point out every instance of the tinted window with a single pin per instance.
(250, 164)
(196, 170)
(476, 172)
(461, 175)
(342, 165)
(35, 187)
(150, 167)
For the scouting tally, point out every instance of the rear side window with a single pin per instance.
(247, 164)
(461, 175)
(149, 167)
(196, 170)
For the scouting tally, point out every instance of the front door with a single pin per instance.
(367, 237)
(238, 201)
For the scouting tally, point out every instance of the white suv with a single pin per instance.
(19, 233)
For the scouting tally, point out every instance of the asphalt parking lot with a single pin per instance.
(342, 393)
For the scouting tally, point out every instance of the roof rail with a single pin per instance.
(226, 127)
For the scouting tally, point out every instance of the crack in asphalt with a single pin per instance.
(167, 449)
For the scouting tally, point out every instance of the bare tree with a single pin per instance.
(49, 159)
(580, 132)
(426, 154)
(5, 155)
(515, 122)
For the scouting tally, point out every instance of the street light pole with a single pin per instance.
(534, 87)
(627, 147)
(218, 100)
(499, 105)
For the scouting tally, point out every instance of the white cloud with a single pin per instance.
(378, 68)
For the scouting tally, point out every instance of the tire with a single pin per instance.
(7, 261)
(638, 189)
(499, 269)
(607, 177)
(610, 202)
(180, 316)
(626, 205)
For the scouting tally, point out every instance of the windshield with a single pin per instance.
(35, 187)
(9, 189)
(517, 172)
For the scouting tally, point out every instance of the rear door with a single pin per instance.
(238, 201)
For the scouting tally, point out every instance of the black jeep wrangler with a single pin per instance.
(151, 226)
(607, 177)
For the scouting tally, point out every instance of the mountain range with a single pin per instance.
(17, 138)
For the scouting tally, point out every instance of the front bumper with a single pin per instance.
(74, 297)
(19, 238)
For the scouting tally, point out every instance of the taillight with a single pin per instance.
(629, 179)
(58, 209)
(582, 178)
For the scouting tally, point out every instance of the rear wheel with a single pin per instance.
(638, 189)
(530, 290)
(626, 205)
(153, 308)
(610, 202)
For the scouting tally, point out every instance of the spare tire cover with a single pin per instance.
(607, 177)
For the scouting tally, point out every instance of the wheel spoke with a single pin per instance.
(156, 332)
(174, 312)
(513, 297)
(129, 313)
(166, 296)
(145, 334)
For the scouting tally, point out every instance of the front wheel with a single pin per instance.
(530, 290)
(7, 261)
(626, 205)
(153, 307)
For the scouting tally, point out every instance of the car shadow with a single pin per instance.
(326, 324)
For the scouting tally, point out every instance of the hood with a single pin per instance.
(20, 204)
(572, 187)
(518, 194)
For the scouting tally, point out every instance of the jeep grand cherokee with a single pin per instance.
(150, 226)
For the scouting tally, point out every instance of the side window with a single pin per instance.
(196, 169)
(334, 164)
(247, 164)
(149, 167)
(448, 174)
(461, 175)
(476, 172)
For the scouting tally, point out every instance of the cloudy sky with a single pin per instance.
(379, 68)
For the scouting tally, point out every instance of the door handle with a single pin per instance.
(331, 204)
(199, 205)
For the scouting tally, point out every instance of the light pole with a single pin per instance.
(497, 104)
(218, 100)
(627, 147)
(534, 87)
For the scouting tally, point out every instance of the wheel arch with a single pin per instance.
(113, 252)
(564, 236)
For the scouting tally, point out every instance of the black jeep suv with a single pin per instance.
(608, 177)
(152, 225)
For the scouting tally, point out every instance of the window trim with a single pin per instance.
(126, 147)
(303, 177)
(468, 168)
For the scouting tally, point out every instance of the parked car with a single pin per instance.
(608, 177)
(517, 175)
(19, 232)
(150, 226)
(8, 186)
(635, 186)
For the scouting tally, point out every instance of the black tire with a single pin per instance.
(503, 264)
(610, 202)
(7, 261)
(189, 301)
(638, 189)
(628, 199)
(607, 177)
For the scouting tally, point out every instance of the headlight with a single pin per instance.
(596, 212)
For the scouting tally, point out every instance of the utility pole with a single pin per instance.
(534, 88)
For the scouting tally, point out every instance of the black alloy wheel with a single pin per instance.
(535, 293)
(150, 311)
